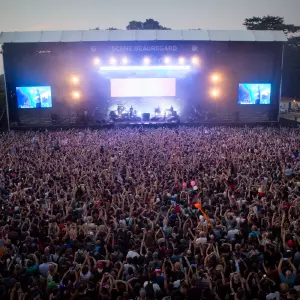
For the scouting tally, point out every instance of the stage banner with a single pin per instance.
(148, 47)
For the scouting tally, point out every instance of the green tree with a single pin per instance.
(110, 28)
(149, 24)
(270, 23)
(135, 25)
(291, 65)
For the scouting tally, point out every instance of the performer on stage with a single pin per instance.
(131, 112)
(38, 99)
(257, 100)
(120, 109)
(157, 110)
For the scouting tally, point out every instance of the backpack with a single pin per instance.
(150, 290)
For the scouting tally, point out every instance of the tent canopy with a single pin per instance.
(142, 35)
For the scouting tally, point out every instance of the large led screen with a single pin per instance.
(143, 87)
(34, 97)
(254, 93)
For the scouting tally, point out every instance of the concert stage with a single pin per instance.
(145, 78)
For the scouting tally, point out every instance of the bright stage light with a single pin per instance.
(112, 61)
(145, 68)
(181, 60)
(75, 80)
(215, 93)
(195, 60)
(146, 61)
(167, 60)
(124, 60)
(76, 94)
(96, 61)
(215, 77)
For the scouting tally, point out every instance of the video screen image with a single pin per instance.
(34, 97)
(143, 87)
(254, 93)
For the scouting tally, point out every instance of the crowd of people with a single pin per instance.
(182, 213)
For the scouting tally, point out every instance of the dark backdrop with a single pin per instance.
(41, 64)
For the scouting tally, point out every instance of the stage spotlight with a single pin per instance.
(181, 60)
(112, 61)
(96, 61)
(76, 94)
(167, 60)
(195, 60)
(145, 68)
(124, 60)
(215, 93)
(146, 61)
(215, 77)
(75, 80)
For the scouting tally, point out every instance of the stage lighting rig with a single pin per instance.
(76, 94)
(96, 61)
(125, 60)
(181, 60)
(146, 61)
(167, 60)
(215, 78)
(112, 61)
(215, 93)
(75, 79)
(195, 60)
(145, 68)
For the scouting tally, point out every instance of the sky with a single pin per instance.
(36, 15)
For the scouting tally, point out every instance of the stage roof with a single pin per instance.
(142, 35)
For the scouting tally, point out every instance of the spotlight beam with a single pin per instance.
(97, 61)
(75, 80)
(181, 60)
(147, 61)
(167, 60)
(124, 60)
(112, 60)
(76, 94)
(215, 77)
(215, 93)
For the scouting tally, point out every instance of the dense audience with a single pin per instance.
(187, 213)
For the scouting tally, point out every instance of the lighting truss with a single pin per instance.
(145, 68)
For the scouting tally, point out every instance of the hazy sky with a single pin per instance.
(31, 15)
(20, 15)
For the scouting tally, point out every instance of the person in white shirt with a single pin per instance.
(202, 239)
(132, 254)
(231, 234)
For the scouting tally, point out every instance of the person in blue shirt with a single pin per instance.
(254, 232)
(289, 277)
